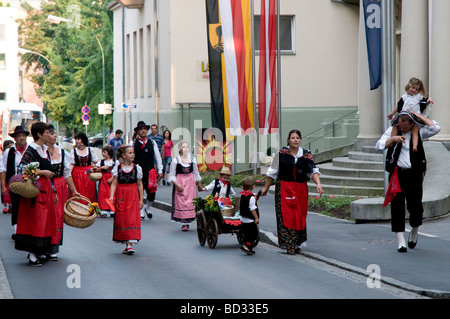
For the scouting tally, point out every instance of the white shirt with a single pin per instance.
(411, 103)
(274, 167)
(3, 166)
(67, 170)
(403, 159)
(223, 188)
(126, 169)
(252, 206)
(72, 155)
(173, 169)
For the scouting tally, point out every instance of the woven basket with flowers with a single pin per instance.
(26, 184)
(94, 177)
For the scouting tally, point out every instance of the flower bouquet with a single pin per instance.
(94, 177)
(26, 184)
(93, 208)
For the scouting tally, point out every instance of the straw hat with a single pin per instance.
(225, 170)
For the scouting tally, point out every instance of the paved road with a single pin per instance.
(170, 264)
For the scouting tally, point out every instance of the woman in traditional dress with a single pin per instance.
(184, 175)
(61, 179)
(127, 193)
(81, 159)
(36, 223)
(292, 167)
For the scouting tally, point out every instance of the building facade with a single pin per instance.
(161, 68)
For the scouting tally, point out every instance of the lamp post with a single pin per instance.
(54, 19)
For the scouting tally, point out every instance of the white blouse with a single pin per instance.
(67, 170)
(274, 167)
(126, 169)
(173, 169)
(72, 155)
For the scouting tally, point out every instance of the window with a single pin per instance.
(2, 96)
(2, 32)
(286, 34)
(2, 61)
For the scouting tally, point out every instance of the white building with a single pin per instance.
(9, 62)
(160, 58)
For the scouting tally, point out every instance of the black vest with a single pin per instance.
(145, 156)
(58, 169)
(289, 171)
(84, 162)
(244, 209)
(217, 188)
(418, 159)
(127, 178)
(180, 169)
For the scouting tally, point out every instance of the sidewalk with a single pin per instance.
(358, 247)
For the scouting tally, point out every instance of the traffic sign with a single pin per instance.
(85, 117)
(129, 106)
(85, 109)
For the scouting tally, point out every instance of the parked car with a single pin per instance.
(97, 140)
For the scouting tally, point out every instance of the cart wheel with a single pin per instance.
(213, 233)
(201, 229)
(240, 237)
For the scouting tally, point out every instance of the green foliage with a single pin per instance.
(330, 203)
(235, 180)
(74, 75)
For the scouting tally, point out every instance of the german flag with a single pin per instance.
(230, 66)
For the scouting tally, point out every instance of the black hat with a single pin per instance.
(141, 124)
(17, 130)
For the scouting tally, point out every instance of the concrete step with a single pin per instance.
(351, 181)
(330, 169)
(347, 190)
(363, 156)
(357, 164)
(371, 149)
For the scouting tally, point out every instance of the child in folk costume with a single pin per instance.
(127, 193)
(81, 159)
(221, 186)
(105, 167)
(184, 175)
(249, 215)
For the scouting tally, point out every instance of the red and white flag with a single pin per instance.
(235, 17)
(267, 100)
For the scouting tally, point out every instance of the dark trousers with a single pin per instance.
(250, 231)
(411, 190)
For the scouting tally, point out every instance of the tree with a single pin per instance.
(74, 75)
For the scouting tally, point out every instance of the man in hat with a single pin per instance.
(146, 155)
(11, 160)
(221, 186)
(411, 167)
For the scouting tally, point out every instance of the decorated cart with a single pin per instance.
(218, 216)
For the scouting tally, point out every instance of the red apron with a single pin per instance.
(37, 216)
(127, 220)
(83, 184)
(61, 190)
(104, 191)
(294, 204)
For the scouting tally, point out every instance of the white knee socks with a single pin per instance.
(400, 239)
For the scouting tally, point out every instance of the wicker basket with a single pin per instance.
(228, 211)
(76, 214)
(95, 177)
(25, 189)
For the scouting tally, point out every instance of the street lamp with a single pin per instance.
(54, 19)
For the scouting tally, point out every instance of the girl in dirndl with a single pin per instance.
(105, 167)
(127, 192)
(184, 175)
(81, 159)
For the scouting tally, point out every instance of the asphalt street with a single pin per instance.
(338, 259)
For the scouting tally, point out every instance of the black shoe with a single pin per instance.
(402, 249)
(411, 244)
(36, 263)
(164, 182)
(149, 215)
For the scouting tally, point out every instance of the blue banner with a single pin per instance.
(372, 22)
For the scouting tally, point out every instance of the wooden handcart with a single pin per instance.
(212, 223)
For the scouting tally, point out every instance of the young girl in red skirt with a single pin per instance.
(127, 193)
(81, 159)
(105, 167)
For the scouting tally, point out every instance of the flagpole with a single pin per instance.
(278, 76)
(254, 135)
(388, 65)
